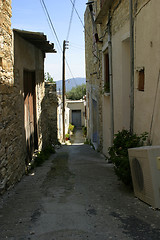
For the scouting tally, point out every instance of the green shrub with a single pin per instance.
(84, 129)
(118, 153)
(87, 141)
(43, 156)
(67, 136)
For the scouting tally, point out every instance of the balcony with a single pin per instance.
(104, 7)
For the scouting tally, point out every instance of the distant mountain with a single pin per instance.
(70, 83)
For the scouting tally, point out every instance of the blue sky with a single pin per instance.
(29, 15)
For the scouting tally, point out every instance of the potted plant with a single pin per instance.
(71, 128)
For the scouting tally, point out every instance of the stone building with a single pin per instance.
(22, 98)
(122, 68)
(49, 115)
(9, 110)
(93, 81)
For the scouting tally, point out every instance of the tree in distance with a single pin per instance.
(77, 93)
(48, 78)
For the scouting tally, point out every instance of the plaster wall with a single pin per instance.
(106, 124)
(120, 73)
(77, 105)
(60, 120)
(147, 56)
(121, 77)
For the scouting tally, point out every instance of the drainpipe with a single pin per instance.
(93, 22)
(92, 18)
(131, 65)
(110, 77)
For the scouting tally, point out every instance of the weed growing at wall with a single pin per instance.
(118, 153)
(84, 129)
(67, 136)
(88, 141)
(43, 156)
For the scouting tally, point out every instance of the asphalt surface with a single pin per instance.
(75, 195)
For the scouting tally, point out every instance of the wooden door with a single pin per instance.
(30, 112)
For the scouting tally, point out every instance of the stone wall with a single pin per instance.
(6, 56)
(12, 150)
(93, 82)
(49, 115)
(11, 147)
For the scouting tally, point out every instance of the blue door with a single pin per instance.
(76, 118)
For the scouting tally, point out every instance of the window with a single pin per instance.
(141, 78)
(106, 73)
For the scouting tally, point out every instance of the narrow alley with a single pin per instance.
(75, 195)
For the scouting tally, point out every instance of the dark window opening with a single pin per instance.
(106, 74)
(0, 61)
(101, 3)
(141, 78)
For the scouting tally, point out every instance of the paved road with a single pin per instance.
(75, 195)
(77, 137)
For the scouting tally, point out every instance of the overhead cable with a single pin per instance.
(70, 22)
(53, 29)
(50, 21)
(77, 14)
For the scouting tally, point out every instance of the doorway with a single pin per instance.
(30, 123)
(94, 120)
(76, 118)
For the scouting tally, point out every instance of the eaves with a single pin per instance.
(38, 39)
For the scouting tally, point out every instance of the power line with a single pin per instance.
(69, 28)
(71, 72)
(53, 29)
(83, 26)
(50, 22)
(73, 46)
(80, 18)
(77, 14)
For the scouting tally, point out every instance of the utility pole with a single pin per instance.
(65, 44)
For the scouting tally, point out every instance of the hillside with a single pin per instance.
(70, 83)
